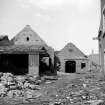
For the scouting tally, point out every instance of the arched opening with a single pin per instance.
(70, 66)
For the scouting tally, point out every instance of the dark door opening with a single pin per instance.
(16, 64)
(44, 64)
(70, 67)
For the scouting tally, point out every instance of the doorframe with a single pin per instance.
(66, 64)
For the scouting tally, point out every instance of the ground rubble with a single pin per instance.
(19, 88)
(85, 90)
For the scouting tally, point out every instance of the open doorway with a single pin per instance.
(16, 64)
(44, 64)
(70, 66)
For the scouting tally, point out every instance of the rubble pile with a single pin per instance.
(80, 91)
(86, 90)
(19, 88)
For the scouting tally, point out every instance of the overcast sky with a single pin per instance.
(58, 22)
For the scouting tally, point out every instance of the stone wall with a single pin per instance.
(78, 65)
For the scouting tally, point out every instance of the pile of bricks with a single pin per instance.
(86, 90)
(19, 87)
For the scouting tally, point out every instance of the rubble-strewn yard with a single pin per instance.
(65, 89)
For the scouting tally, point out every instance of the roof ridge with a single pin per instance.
(26, 29)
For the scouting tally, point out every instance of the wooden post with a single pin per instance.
(102, 56)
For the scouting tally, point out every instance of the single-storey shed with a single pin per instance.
(72, 60)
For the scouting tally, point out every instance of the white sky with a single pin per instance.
(58, 22)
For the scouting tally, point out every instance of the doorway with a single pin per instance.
(44, 64)
(70, 66)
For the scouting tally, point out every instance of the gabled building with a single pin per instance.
(72, 59)
(27, 53)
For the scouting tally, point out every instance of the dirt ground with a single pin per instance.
(68, 89)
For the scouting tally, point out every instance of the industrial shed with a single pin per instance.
(72, 60)
(26, 53)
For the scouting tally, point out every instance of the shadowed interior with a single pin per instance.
(14, 63)
(70, 67)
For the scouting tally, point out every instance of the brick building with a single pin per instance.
(26, 53)
(72, 60)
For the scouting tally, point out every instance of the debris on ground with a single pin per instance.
(88, 89)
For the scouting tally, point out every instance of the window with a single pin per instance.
(27, 38)
(70, 50)
(83, 65)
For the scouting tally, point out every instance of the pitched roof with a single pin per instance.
(70, 51)
(28, 36)
(4, 41)
(19, 42)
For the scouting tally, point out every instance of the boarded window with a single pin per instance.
(83, 65)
